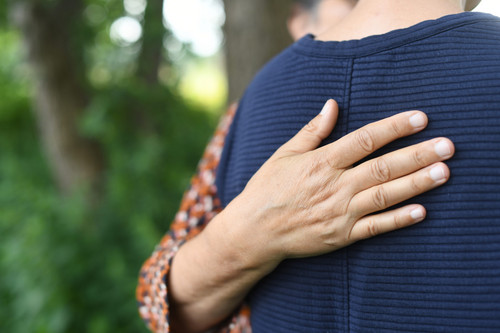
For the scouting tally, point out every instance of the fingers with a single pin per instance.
(364, 141)
(318, 129)
(400, 163)
(386, 195)
(373, 225)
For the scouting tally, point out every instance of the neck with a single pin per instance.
(371, 17)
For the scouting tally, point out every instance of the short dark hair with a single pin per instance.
(308, 4)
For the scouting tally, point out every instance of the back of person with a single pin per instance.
(440, 275)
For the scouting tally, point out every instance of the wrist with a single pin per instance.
(237, 241)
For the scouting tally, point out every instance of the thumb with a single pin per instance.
(318, 129)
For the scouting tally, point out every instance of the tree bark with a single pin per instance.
(152, 43)
(60, 94)
(150, 59)
(255, 32)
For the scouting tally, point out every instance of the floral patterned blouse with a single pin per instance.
(198, 207)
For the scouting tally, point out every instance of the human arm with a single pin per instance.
(304, 202)
(198, 206)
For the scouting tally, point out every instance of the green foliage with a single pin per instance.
(154, 163)
(3, 13)
(67, 267)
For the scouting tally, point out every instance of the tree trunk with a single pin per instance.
(152, 43)
(60, 95)
(255, 32)
(150, 59)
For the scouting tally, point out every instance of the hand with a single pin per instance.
(305, 201)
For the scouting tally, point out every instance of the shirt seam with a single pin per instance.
(347, 102)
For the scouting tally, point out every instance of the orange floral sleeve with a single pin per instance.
(199, 205)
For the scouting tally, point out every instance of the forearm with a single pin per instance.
(211, 275)
(302, 202)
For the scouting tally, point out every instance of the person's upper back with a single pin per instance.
(440, 275)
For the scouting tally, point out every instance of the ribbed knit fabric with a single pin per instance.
(442, 275)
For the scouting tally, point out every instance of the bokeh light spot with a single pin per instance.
(126, 30)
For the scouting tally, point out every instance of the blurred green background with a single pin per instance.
(70, 253)
(105, 109)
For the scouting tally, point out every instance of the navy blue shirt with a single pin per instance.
(440, 275)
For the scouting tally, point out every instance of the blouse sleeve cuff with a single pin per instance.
(152, 290)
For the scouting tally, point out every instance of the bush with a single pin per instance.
(68, 267)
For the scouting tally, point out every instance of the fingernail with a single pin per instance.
(417, 214)
(437, 173)
(417, 120)
(442, 148)
(326, 108)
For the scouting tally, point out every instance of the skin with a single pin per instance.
(317, 20)
(290, 223)
(379, 17)
(286, 211)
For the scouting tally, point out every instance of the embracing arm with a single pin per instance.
(304, 202)
(199, 205)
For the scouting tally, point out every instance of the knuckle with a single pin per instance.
(397, 129)
(372, 228)
(398, 222)
(332, 162)
(415, 185)
(311, 127)
(365, 140)
(419, 158)
(379, 170)
(312, 168)
(379, 198)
